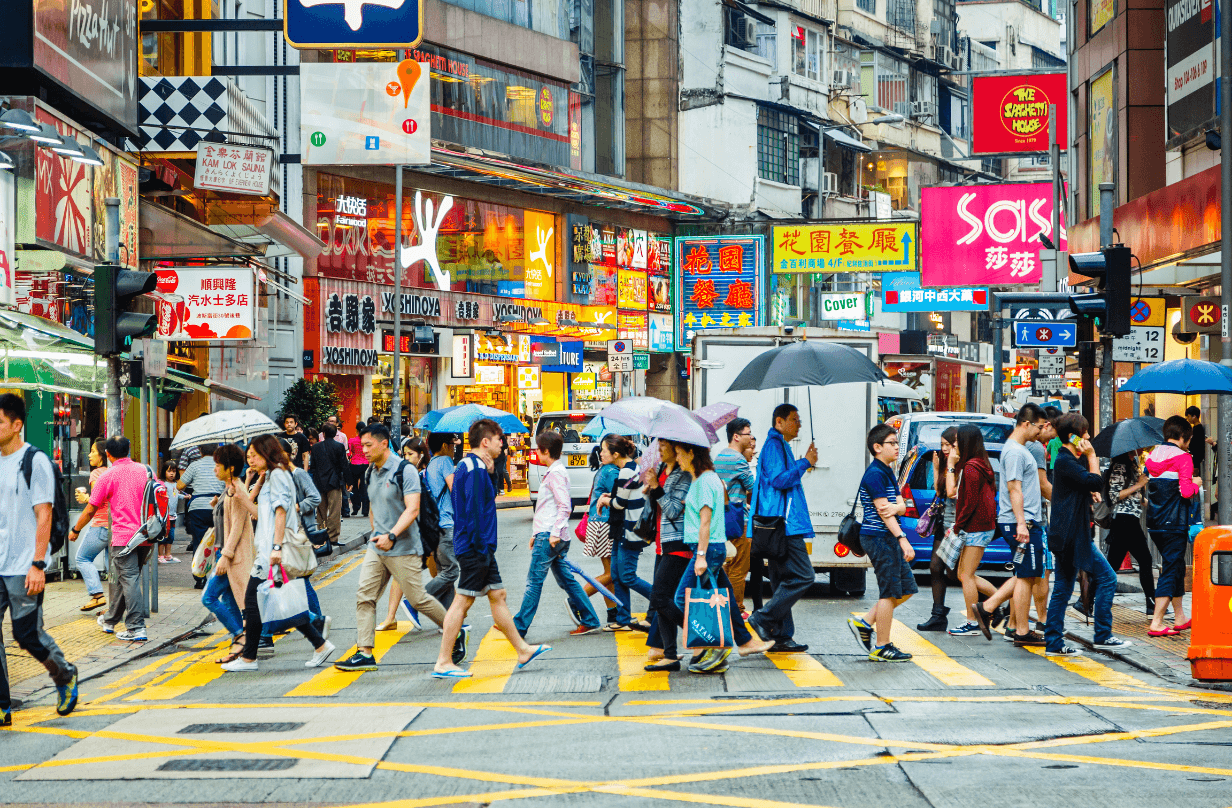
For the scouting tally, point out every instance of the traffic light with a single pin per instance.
(115, 290)
(1111, 269)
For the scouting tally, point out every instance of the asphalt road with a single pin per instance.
(966, 722)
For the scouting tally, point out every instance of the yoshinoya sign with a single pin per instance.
(1189, 58)
(1013, 113)
(413, 305)
(515, 313)
(845, 306)
(354, 357)
(233, 169)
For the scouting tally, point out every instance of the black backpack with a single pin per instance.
(59, 508)
(429, 517)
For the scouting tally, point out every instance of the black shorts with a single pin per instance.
(894, 577)
(478, 574)
(1033, 561)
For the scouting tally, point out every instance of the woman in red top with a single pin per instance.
(970, 475)
(356, 471)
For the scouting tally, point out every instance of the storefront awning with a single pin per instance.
(847, 141)
(168, 235)
(194, 382)
(586, 189)
(38, 354)
(277, 236)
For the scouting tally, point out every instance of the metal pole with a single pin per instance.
(395, 406)
(147, 578)
(112, 392)
(1224, 441)
(1107, 381)
(152, 454)
(1048, 283)
(998, 339)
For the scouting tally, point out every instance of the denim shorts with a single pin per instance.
(979, 538)
(894, 576)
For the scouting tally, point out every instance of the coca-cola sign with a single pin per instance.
(985, 235)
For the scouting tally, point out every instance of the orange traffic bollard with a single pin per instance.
(1210, 646)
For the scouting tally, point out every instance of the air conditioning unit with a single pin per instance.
(829, 184)
(742, 34)
(842, 79)
(923, 109)
(951, 59)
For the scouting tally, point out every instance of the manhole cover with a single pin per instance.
(228, 764)
(273, 726)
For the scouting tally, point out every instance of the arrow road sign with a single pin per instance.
(1045, 334)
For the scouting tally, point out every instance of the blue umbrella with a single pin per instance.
(1184, 376)
(460, 418)
(600, 426)
(428, 422)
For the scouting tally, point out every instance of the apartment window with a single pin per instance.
(867, 5)
(806, 51)
(901, 15)
(886, 77)
(778, 146)
(741, 30)
(766, 45)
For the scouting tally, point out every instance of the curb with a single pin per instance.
(501, 506)
(1163, 673)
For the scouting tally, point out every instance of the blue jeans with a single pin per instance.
(92, 541)
(218, 598)
(625, 556)
(716, 554)
(1090, 560)
(544, 557)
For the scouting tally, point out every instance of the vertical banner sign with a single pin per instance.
(1102, 12)
(352, 23)
(718, 284)
(1189, 53)
(985, 235)
(1011, 113)
(539, 275)
(1101, 137)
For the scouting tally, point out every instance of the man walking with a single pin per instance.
(737, 476)
(328, 467)
(779, 494)
(122, 488)
(295, 436)
(439, 476)
(395, 549)
(474, 542)
(340, 437)
(200, 479)
(25, 536)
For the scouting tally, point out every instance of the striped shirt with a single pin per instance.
(735, 473)
(671, 511)
(878, 483)
(628, 497)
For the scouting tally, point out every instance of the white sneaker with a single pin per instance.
(1113, 644)
(240, 665)
(318, 659)
(104, 625)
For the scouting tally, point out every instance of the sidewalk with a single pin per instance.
(179, 615)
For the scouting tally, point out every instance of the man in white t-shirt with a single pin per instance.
(25, 536)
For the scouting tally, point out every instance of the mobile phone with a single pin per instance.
(1075, 439)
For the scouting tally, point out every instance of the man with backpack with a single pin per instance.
(438, 478)
(123, 488)
(28, 511)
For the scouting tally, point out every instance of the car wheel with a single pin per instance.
(847, 582)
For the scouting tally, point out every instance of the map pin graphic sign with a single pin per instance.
(408, 73)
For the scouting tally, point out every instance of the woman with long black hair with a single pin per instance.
(946, 490)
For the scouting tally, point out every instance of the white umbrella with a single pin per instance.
(225, 426)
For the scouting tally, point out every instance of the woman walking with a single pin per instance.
(675, 554)
(975, 517)
(1127, 483)
(946, 490)
(356, 471)
(97, 535)
(275, 507)
(1172, 484)
(594, 545)
(225, 589)
(625, 506)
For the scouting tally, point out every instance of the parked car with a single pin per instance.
(926, 427)
(576, 453)
(896, 398)
(917, 487)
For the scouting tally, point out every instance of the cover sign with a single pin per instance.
(985, 235)
(1011, 113)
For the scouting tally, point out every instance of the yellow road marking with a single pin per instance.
(142, 671)
(804, 670)
(332, 681)
(492, 665)
(202, 670)
(631, 659)
(1088, 668)
(935, 661)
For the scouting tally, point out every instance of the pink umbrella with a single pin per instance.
(715, 416)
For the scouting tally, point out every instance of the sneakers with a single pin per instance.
(1065, 651)
(573, 613)
(94, 602)
(983, 620)
(104, 625)
(410, 611)
(459, 645)
(965, 630)
(358, 661)
(1030, 639)
(318, 658)
(66, 697)
(888, 653)
(581, 631)
(999, 616)
(240, 665)
(1113, 644)
(862, 631)
(265, 648)
(137, 635)
(6, 719)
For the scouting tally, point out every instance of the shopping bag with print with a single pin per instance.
(950, 548)
(707, 615)
(282, 598)
(206, 555)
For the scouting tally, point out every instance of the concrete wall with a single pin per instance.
(652, 91)
(718, 151)
(989, 21)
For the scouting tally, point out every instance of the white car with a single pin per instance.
(576, 453)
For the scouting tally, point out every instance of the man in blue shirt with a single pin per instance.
(474, 544)
(778, 493)
(440, 482)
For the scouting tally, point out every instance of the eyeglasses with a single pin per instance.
(744, 434)
(890, 443)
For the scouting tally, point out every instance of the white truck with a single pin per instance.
(837, 420)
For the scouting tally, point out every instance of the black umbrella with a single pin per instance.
(1129, 435)
(807, 363)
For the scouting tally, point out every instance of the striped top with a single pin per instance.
(735, 473)
(627, 497)
(878, 483)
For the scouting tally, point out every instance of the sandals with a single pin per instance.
(388, 625)
(231, 655)
(1166, 631)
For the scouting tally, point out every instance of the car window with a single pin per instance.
(930, 431)
(922, 475)
(569, 426)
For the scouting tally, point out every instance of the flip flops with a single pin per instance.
(1183, 626)
(1167, 631)
(539, 650)
(451, 674)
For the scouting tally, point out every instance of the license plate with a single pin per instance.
(577, 460)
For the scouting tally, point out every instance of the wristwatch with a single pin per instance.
(39, 565)
(277, 548)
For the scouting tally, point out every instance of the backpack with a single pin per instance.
(429, 516)
(59, 506)
(155, 506)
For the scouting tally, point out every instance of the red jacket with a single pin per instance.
(976, 511)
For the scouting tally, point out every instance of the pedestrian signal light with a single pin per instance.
(115, 291)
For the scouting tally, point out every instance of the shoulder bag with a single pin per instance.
(298, 558)
(770, 532)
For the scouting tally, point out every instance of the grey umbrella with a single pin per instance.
(1129, 435)
(807, 363)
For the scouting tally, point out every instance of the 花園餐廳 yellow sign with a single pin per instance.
(854, 247)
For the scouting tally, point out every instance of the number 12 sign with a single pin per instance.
(1144, 344)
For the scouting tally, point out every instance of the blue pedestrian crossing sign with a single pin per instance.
(353, 23)
(1045, 334)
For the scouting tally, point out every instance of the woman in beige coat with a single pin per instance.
(226, 588)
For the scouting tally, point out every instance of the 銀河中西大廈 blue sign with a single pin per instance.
(901, 291)
(718, 284)
(353, 23)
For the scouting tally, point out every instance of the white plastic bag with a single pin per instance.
(285, 602)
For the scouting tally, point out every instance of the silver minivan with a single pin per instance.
(576, 453)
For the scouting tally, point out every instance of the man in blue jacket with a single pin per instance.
(779, 494)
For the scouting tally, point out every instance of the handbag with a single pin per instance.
(205, 555)
(733, 518)
(707, 615)
(770, 532)
(285, 600)
(597, 541)
(926, 525)
(950, 548)
(849, 530)
(298, 557)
